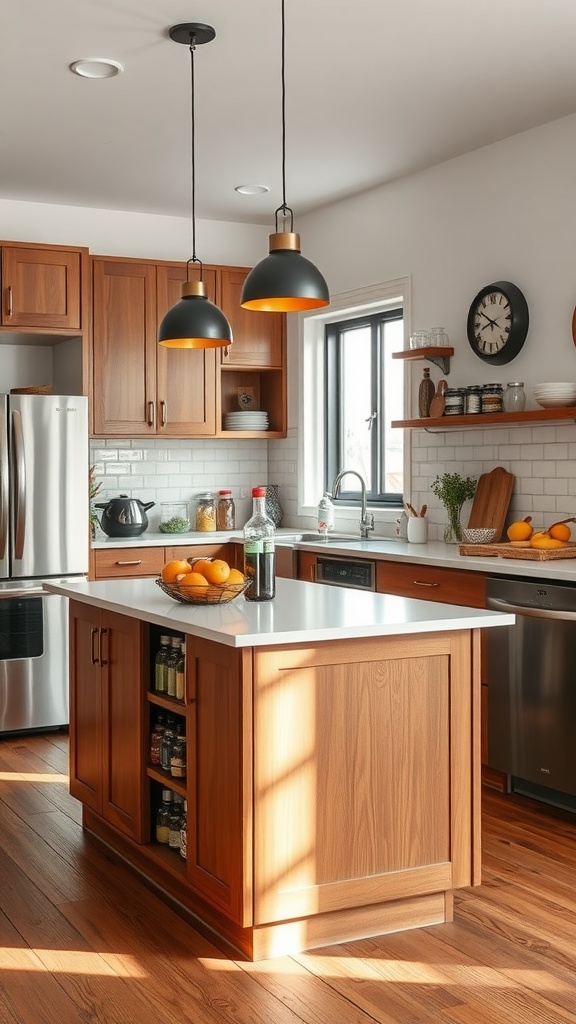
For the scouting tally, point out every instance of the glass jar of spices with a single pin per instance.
(206, 513)
(473, 399)
(492, 398)
(454, 401)
(225, 511)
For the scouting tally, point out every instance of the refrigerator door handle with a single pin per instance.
(19, 485)
(4, 495)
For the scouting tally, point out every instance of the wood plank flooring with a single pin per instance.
(81, 940)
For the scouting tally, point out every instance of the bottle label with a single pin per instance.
(261, 546)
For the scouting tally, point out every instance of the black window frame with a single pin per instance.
(333, 350)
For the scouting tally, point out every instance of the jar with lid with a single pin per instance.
(438, 337)
(420, 339)
(454, 401)
(225, 511)
(473, 399)
(492, 398)
(206, 513)
(514, 397)
(174, 517)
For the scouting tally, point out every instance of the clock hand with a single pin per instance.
(491, 322)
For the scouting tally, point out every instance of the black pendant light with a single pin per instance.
(285, 281)
(194, 322)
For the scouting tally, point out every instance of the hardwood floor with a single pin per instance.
(81, 940)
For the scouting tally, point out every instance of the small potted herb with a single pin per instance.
(453, 490)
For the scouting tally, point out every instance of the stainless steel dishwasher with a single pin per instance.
(532, 688)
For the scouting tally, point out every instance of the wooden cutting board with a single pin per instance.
(519, 551)
(491, 500)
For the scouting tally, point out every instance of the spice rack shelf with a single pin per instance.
(166, 780)
(489, 418)
(433, 353)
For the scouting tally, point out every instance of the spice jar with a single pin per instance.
(225, 512)
(454, 399)
(514, 397)
(473, 399)
(205, 513)
(492, 398)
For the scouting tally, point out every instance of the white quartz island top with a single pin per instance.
(300, 613)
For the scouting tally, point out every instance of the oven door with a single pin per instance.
(360, 575)
(33, 660)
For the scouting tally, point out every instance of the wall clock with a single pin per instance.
(498, 322)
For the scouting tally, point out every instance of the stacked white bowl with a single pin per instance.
(555, 395)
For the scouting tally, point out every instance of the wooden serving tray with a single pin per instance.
(520, 549)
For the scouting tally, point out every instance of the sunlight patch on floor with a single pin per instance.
(33, 777)
(66, 961)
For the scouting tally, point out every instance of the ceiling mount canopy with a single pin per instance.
(194, 322)
(284, 281)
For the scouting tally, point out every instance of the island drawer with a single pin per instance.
(432, 583)
(126, 562)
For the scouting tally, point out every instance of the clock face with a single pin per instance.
(498, 322)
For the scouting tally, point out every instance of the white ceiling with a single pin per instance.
(375, 89)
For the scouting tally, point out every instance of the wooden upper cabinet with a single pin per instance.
(41, 287)
(124, 360)
(186, 378)
(258, 338)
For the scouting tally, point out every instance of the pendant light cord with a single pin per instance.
(194, 258)
(284, 209)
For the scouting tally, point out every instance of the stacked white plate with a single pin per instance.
(555, 395)
(251, 419)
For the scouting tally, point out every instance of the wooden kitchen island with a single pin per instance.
(333, 756)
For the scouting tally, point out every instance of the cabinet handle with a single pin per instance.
(9, 300)
(421, 583)
(313, 573)
(94, 654)
(163, 416)
(134, 561)
(151, 414)
(103, 634)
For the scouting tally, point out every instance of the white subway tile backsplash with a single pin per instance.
(130, 455)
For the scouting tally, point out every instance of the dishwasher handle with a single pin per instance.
(535, 613)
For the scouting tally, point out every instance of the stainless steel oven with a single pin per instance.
(338, 572)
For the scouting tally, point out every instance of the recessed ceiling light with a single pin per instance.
(96, 67)
(251, 190)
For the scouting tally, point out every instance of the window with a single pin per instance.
(345, 377)
(363, 392)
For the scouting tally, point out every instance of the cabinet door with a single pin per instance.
(307, 566)
(41, 288)
(186, 378)
(124, 367)
(85, 706)
(258, 338)
(219, 732)
(122, 661)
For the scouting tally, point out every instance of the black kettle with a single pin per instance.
(124, 516)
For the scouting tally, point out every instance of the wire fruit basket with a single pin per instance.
(214, 593)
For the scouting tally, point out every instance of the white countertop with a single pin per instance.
(300, 613)
(377, 549)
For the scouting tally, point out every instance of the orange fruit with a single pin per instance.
(560, 531)
(193, 579)
(544, 540)
(235, 576)
(174, 568)
(200, 564)
(232, 586)
(520, 530)
(216, 571)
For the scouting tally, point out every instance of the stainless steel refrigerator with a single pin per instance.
(44, 510)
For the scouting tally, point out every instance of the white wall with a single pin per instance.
(142, 235)
(505, 212)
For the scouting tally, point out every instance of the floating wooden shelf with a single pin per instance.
(488, 418)
(433, 353)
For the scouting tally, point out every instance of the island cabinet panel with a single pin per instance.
(106, 720)
(369, 740)
(219, 739)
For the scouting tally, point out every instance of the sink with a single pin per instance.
(332, 538)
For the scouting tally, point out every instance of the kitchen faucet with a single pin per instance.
(366, 518)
